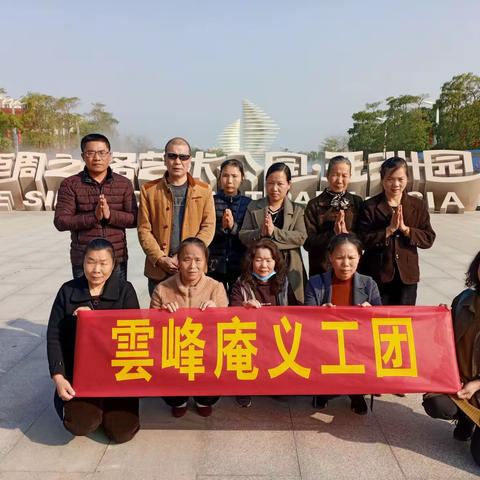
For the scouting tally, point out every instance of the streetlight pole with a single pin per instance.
(437, 117)
(384, 121)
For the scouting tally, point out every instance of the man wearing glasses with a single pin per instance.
(173, 208)
(96, 203)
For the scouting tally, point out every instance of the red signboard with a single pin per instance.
(269, 351)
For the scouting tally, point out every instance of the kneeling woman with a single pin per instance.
(466, 325)
(342, 285)
(263, 283)
(97, 289)
(190, 288)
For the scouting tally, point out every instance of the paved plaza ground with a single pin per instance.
(277, 439)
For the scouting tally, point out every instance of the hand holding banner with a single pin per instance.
(269, 351)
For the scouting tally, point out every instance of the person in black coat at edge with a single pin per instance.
(97, 289)
(226, 250)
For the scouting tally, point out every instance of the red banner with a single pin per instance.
(269, 351)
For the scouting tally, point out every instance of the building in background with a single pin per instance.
(253, 133)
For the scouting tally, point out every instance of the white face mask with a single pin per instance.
(266, 277)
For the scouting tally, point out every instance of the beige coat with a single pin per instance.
(155, 219)
(290, 238)
(173, 290)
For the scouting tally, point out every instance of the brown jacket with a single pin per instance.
(173, 290)
(155, 219)
(289, 239)
(320, 219)
(465, 314)
(383, 255)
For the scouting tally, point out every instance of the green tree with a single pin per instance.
(459, 105)
(98, 120)
(408, 124)
(39, 120)
(368, 131)
(335, 143)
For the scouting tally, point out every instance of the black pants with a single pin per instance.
(228, 279)
(397, 293)
(118, 416)
(177, 401)
(120, 270)
(441, 406)
(152, 284)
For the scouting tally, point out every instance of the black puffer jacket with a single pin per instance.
(226, 250)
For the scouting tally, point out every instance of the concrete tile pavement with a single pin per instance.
(282, 440)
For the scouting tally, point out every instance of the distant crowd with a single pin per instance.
(206, 251)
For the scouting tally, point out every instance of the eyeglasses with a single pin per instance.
(92, 153)
(181, 156)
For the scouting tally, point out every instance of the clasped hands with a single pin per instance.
(102, 210)
(397, 223)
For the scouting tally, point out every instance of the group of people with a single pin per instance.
(206, 251)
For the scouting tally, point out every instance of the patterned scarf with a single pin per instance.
(338, 200)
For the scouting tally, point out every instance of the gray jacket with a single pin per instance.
(319, 290)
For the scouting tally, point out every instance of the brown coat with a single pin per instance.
(155, 219)
(288, 239)
(383, 255)
(465, 314)
(173, 290)
(320, 219)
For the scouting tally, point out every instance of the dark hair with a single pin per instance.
(342, 238)
(193, 241)
(393, 163)
(279, 167)
(233, 162)
(471, 276)
(177, 141)
(94, 137)
(280, 266)
(99, 244)
(336, 160)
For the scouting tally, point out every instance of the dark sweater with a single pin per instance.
(62, 324)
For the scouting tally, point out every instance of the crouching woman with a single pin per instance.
(97, 289)
(190, 288)
(466, 326)
(341, 285)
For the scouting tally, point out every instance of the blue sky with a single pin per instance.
(182, 68)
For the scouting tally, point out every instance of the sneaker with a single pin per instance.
(244, 401)
(359, 405)
(178, 412)
(204, 410)
(464, 429)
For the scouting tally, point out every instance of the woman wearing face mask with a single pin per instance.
(277, 218)
(392, 226)
(341, 285)
(333, 212)
(263, 283)
(97, 289)
(190, 288)
(226, 249)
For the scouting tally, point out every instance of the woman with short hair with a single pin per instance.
(98, 289)
(392, 226)
(190, 288)
(341, 285)
(333, 212)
